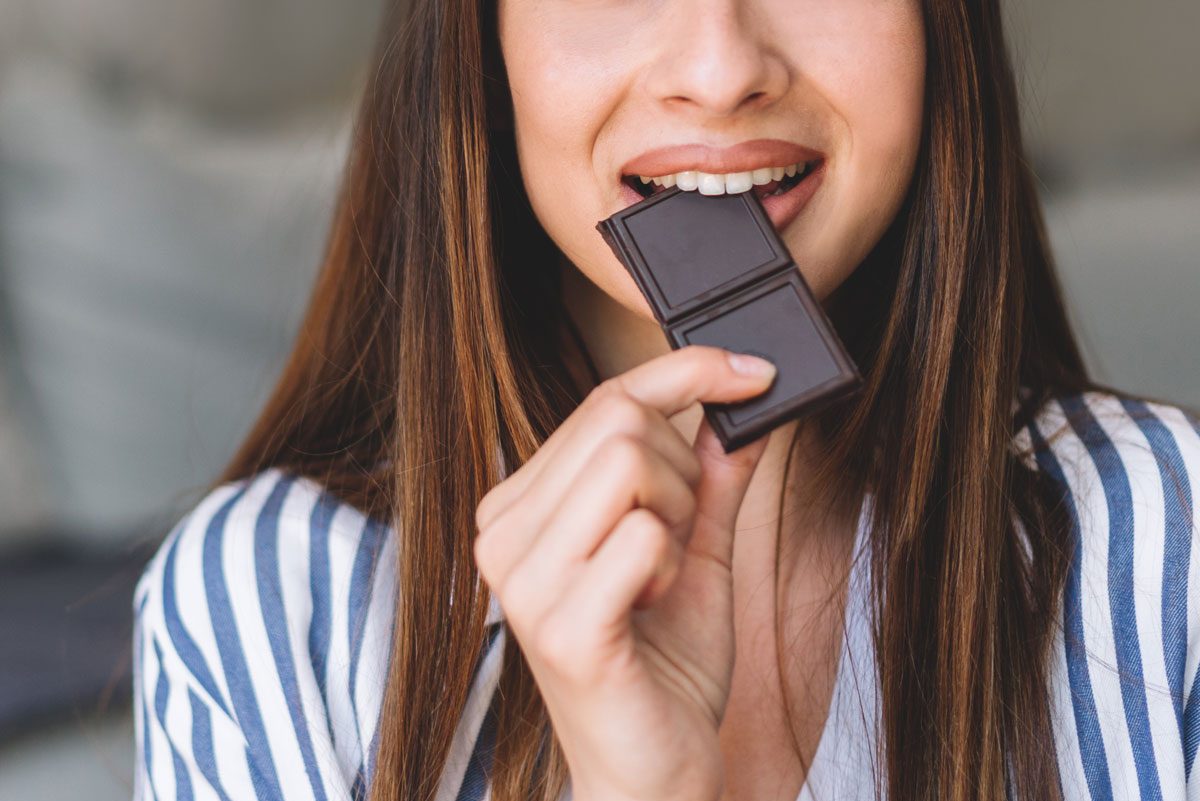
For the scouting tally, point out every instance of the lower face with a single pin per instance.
(816, 106)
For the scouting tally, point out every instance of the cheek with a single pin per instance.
(567, 79)
(884, 104)
(868, 67)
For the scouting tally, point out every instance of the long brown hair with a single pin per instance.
(431, 348)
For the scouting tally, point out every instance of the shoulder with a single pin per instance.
(1129, 475)
(1122, 462)
(263, 622)
(1128, 650)
(272, 545)
(1129, 471)
(263, 626)
(269, 589)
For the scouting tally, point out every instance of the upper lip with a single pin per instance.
(743, 157)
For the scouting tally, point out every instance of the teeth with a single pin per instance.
(711, 184)
(724, 183)
(738, 182)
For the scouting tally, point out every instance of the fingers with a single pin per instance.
(633, 567)
(616, 417)
(541, 529)
(533, 495)
(603, 414)
(673, 382)
(666, 384)
(624, 475)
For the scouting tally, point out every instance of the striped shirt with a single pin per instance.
(264, 620)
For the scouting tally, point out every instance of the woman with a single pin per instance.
(482, 541)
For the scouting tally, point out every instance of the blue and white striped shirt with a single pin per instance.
(263, 625)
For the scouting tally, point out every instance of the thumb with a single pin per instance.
(724, 478)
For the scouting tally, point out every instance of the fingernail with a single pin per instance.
(753, 366)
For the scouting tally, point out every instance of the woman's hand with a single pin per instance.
(610, 551)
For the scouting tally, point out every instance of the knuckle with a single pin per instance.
(490, 505)
(625, 414)
(657, 542)
(605, 390)
(641, 520)
(624, 454)
(617, 408)
(490, 543)
(483, 512)
(648, 532)
(550, 642)
(520, 594)
(482, 550)
(564, 646)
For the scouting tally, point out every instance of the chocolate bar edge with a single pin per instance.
(611, 232)
(616, 234)
(733, 437)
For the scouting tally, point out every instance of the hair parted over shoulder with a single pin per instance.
(430, 347)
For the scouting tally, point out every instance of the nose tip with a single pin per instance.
(715, 61)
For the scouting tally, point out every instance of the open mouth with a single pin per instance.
(766, 182)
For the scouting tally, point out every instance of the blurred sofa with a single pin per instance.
(166, 173)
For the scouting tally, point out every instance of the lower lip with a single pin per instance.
(782, 209)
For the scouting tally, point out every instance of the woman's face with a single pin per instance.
(722, 94)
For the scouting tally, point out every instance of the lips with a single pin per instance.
(781, 200)
(783, 174)
(742, 157)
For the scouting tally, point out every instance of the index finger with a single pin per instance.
(674, 381)
(669, 383)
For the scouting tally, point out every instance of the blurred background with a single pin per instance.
(167, 169)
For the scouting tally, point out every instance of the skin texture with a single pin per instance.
(613, 551)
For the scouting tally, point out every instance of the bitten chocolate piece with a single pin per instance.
(715, 272)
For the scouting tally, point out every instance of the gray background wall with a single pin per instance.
(166, 171)
(1112, 112)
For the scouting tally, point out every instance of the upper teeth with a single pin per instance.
(720, 183)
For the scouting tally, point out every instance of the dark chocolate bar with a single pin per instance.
(715, 272)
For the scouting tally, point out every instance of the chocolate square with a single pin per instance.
(715, 272)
